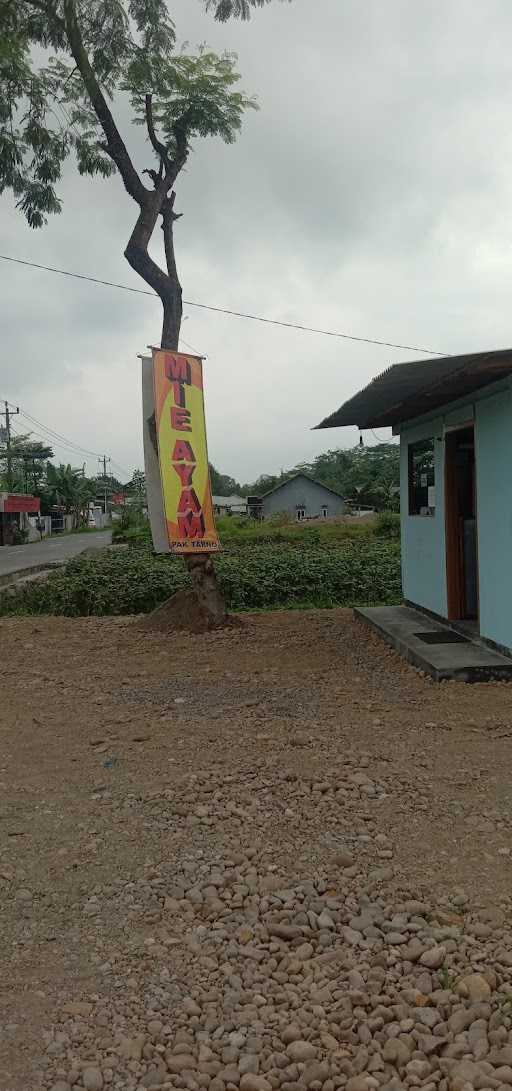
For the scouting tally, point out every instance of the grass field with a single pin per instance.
(240, 532)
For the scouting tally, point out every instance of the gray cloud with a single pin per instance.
(371, 194)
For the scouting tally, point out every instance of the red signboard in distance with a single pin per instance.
(19, 503)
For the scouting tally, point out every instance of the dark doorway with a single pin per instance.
(8, 528)
(461, 525)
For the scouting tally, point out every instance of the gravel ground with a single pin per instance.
(274, 857)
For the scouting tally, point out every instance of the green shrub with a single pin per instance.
(19, 536)
(137, 536)
(237, 532)
(279, 519)
(132, 526)
(249, 532)
(387, 525)
(264, 577)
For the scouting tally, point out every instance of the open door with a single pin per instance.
(461, 525)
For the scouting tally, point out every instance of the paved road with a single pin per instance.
(17, 558)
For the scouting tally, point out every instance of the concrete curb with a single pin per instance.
(13, 577)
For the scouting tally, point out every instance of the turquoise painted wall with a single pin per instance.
(493, 441)
(423, 537)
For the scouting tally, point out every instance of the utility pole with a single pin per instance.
(104, 460)
(7, 413)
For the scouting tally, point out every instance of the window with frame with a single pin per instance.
(422, 481)
(325, 511)
(301, 514)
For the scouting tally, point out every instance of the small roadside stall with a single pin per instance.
(454, 419)
(15, 509)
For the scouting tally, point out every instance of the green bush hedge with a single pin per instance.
(240, 532)
(267, 576)
(131, 526)
(387, 525)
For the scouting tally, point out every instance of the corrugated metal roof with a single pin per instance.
(406, 391)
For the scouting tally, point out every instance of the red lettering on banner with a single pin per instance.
(189, 501)
(190, 518)
(191, 526)
(183, 452)
(180, 419)
(177, 370)
(178, 390)
(185, 473)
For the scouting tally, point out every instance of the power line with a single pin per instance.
(71, 444)
(191, 348)
(120, 469)
(57, 439)
(225, 310)
(65, 447)
(50, 441)
(312, 329)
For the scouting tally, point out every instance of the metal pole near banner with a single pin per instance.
(151, 464)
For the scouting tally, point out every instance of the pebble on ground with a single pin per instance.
(306, 985)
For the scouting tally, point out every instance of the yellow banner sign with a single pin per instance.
(182, 452)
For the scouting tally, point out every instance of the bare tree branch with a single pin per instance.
(115, 147)
(105, 148)
(160, 148)
(168, 218)
(141, 262)
(136, 252)
(180, 129)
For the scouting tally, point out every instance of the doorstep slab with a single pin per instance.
(469, 661)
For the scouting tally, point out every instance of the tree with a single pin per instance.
(137, 485)
(223, 484)
(238, 9)
(67, 488)
(51, 108)
(367, 475)
(27, 459)
(370, 476)
(265, 482)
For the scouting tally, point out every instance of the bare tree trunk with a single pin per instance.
(172, 321)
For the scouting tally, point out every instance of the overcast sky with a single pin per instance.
(371, 194)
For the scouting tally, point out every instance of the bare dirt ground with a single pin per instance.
(181, 818)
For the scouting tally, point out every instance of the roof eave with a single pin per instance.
(380, 405)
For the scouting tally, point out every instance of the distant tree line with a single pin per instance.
(26, 467)
(366, 476)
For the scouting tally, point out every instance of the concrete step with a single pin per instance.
(450, 656)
